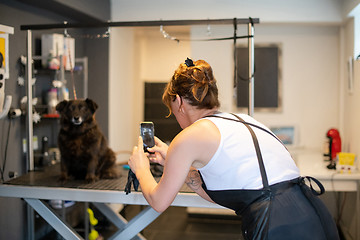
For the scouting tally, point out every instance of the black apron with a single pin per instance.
(287, 210)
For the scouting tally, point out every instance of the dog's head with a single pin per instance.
(76, 112)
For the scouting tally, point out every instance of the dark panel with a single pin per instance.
(155, 111)
(266, 84)
(154, 91)
(166, 130)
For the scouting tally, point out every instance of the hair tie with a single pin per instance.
(189, 62)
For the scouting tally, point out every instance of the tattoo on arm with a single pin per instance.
(193, 180)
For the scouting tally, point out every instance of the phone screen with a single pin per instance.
(147, 134)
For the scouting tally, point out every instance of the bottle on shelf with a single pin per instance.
(52, 102)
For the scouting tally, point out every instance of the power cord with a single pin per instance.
(2, 168)
(13, 113)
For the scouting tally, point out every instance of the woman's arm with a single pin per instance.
(160, 195)
(194, 145)
(193, 180)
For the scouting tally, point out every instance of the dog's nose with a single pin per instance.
(76, 120)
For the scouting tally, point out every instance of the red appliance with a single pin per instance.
(334, 146)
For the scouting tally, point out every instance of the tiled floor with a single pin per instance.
(176, 224)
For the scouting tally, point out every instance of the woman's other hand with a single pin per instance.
(158, 152)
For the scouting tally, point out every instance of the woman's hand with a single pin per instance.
(158, 152)
(138, 160)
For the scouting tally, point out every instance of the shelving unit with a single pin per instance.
(47, 128)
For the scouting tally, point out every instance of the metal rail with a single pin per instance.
(140, 23)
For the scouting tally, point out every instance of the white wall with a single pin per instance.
(351, 97)
(355, 14)
(310, 75)
(159, 56)
(352, 114)
(310, 56)
(137, 56)
(310, 80)
(349, 115)
(121, 87)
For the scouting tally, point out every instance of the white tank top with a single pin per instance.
(235, 164)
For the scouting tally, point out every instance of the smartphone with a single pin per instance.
(147, 133)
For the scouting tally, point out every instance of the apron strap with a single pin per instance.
(250, 124)
(258, 153)
(317, 182)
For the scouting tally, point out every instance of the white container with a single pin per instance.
(52, 101)
(55, 45)
(52, 46)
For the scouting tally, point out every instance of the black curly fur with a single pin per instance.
(84, 150)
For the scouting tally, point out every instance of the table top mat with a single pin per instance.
(49, 177)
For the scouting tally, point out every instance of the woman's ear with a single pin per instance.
(179, 103)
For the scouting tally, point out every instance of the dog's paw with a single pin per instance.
(63, 179)
(91, 178)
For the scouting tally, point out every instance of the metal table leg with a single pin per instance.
(136, 224)
(53, 219)
(118, 220)
(30, 223)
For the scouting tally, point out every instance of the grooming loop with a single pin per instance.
(72, 75)
(67, 35)
(166, 35)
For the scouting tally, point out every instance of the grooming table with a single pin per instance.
(35, 187)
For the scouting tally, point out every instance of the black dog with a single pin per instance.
(83, 148)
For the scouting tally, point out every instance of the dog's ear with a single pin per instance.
(61, 106)
(91, 104)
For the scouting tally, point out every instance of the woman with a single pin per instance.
(232, 160)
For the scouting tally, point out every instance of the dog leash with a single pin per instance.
(72, 76)
(131, 179)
